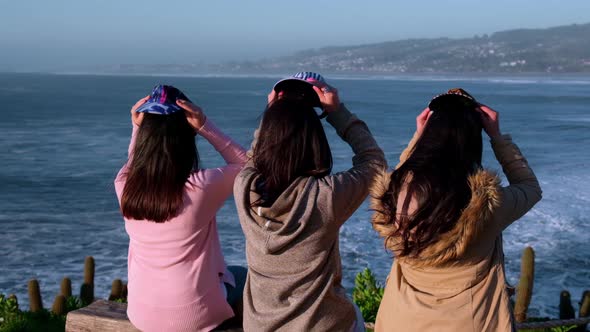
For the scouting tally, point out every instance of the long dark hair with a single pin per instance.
(164, 156)
(291, 143)
(435, 178)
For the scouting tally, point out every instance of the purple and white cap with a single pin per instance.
(303, 83)
(163, 100)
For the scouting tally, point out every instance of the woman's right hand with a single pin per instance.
(328, 96)
(490, 120)
(194, 114)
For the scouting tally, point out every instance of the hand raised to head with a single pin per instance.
(271, 96)
(490, 121)
(421, 119)
(194, 114)
(328, 96)
(136, 117)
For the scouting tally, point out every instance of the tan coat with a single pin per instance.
(458, 283)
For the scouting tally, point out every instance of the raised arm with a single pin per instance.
(524, 190)
(220, 179)
(408, 150)
(136, 119)
(232, 152)
(350, 188)
(270, 98)
(421, 120)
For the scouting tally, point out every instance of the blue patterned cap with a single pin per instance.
(162, 100)
(302, 83)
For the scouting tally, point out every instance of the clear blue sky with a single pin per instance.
(55, 34)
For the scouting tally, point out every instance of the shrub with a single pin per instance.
(367, 294)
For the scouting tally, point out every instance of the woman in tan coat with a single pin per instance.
(442, 215)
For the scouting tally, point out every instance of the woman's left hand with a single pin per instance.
(136, 117)
(194, 114)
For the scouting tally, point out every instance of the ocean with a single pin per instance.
(64, 137)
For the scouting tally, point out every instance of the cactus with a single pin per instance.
(66, 287)
(525, 286)
(566, 310)
(584, 310)
(59, 305)
(89, 270)
(585, 304)
(87, 288)
(116, 290)
(86, 293)
(124, 292)
(35, 301)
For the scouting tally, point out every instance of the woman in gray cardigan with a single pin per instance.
(291, 209)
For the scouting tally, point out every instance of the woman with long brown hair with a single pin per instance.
(442, 215)
(291, 209)
(177, 277)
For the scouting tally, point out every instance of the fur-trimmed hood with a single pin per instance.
(452, 245)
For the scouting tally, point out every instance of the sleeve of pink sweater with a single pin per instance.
(218, 182)
(120, 176)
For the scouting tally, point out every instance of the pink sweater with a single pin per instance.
(175, 268)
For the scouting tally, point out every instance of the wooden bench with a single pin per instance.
(101, 315)
(105, 316)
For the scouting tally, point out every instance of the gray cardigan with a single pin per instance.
(294, 277)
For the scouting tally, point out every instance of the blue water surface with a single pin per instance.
(64, 137)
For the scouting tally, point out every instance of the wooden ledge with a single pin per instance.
(108, 316)
(101, 315)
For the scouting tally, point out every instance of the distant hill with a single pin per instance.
(563, 49)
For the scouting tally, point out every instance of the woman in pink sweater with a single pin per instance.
(177, 276)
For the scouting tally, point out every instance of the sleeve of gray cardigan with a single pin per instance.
(524, 190)
(350, 188)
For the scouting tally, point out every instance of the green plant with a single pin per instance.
(35, 301)
(12, 298)
(551, 329)
(524, 291)
(73, 303)
(8, 309)
(367, 294)
(42, 320)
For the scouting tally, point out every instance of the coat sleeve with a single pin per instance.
(523, 191)
(349, 189)
(408, 150)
